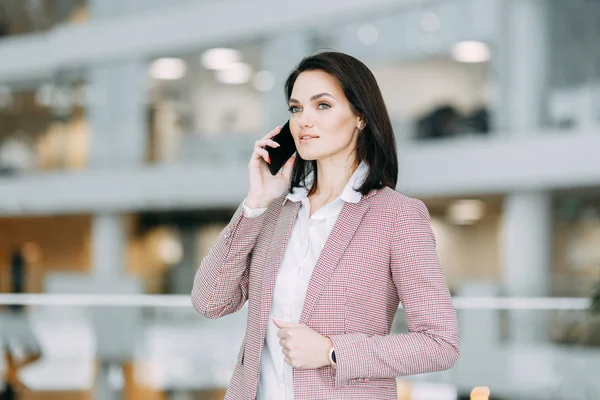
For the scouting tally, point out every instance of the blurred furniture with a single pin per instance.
(446, 121)
(442, 122)
(20, 348)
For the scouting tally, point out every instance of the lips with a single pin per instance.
(307, 136)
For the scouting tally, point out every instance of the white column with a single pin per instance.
(280, 55)
(499, 78)
(117, 117)
(528, 46)
(108, 246)
(520, 63)
(527, 224)
(527, 245)
(118, 114)
(527, 259)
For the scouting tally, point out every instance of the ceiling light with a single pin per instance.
(471, 51)
(220, 58)
(465, 212)
(168, 68)
(264, 81)
(367, 34)
(235, 74)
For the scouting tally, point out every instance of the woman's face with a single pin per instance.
(321, 120)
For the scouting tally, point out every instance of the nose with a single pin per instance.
(305, 120)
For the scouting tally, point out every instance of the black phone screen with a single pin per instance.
(279, 155)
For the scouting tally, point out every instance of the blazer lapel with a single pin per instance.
(279, 240)
(342, 233)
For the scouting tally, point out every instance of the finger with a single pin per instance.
(274, 132)
(287, 325)
(267, 142)
(282, 324)
(288, 361)
(261, 153)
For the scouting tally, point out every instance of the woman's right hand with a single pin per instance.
(264, 187)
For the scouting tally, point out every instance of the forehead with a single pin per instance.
(310, 83)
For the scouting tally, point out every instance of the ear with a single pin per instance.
(361, 122)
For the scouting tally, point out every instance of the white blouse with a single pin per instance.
(301, 255)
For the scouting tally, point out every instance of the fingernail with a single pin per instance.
(268, 160)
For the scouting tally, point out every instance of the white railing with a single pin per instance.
(144, 300)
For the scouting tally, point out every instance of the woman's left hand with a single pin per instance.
(303, 347)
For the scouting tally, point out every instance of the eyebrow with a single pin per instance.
(315, 97)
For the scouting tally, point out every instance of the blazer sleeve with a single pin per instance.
(432, 341)
(221, 282)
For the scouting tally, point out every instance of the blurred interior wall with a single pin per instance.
(472, 252)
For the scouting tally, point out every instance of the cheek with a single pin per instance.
(335, 142)
(343, 132)
(338, 124)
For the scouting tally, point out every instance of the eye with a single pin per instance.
(294, 109)
(323, 106)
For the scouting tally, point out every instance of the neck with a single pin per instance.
(332, 177)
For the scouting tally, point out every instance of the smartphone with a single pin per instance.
(279, 155)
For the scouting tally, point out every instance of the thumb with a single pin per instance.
(283, 324)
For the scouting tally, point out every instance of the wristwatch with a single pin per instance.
(332, 359)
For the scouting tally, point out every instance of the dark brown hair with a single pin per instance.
(376, 144)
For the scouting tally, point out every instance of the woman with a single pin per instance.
(325, 251)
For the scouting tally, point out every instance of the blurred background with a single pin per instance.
(125, 131)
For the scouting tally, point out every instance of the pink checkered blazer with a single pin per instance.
(380, 253)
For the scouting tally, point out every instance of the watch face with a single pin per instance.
(332, 356)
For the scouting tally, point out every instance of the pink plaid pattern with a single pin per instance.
(381, 252)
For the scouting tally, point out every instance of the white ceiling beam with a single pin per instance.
(176, 29)
(477, 166)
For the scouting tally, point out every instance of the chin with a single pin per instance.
(308, 155)
(314, 157)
